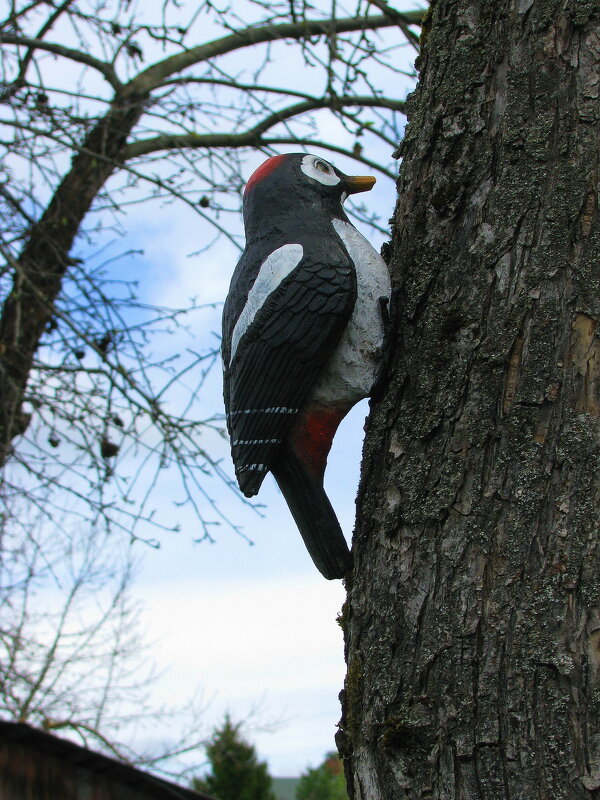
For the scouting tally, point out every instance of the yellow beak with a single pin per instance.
(359, 183)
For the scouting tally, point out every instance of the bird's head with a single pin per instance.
(298, 184)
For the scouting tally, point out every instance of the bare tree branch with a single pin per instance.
(253, 35)
(40, 35)
(402, 20)
(253, 137)
(66, 52)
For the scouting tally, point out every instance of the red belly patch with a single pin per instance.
(313, 434)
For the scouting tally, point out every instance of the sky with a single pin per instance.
(246, 623)
(249, 626)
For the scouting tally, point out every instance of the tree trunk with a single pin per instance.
(41, 267)
(473, 618)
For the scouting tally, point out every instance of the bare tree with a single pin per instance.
(112, 104)
(473, 621)
(72, 659)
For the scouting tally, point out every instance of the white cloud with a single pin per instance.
(274, 645)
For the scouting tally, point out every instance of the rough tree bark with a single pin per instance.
(473, 618)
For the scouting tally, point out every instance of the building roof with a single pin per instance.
(285, 788)
(69, 753)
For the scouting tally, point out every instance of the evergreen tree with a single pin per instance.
(326, 782)
(236, 773)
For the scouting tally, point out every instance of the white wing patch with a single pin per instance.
(274, 269)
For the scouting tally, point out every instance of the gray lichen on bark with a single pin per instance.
(473, 614)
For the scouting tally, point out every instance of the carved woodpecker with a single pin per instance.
(302, 338)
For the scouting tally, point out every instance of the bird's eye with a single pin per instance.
(319, 170)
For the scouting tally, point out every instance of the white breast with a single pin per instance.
(352, 369)
(273, 270)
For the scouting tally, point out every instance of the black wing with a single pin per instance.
(278, 361)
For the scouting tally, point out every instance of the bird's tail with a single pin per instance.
(313, 514)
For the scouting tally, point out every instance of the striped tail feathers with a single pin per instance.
(313, 514)
(263, 395)
(255, 442)
(250, 477)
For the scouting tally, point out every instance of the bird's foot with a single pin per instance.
(388, 308)
(384, 310)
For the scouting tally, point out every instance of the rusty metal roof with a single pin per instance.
(69, 753)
